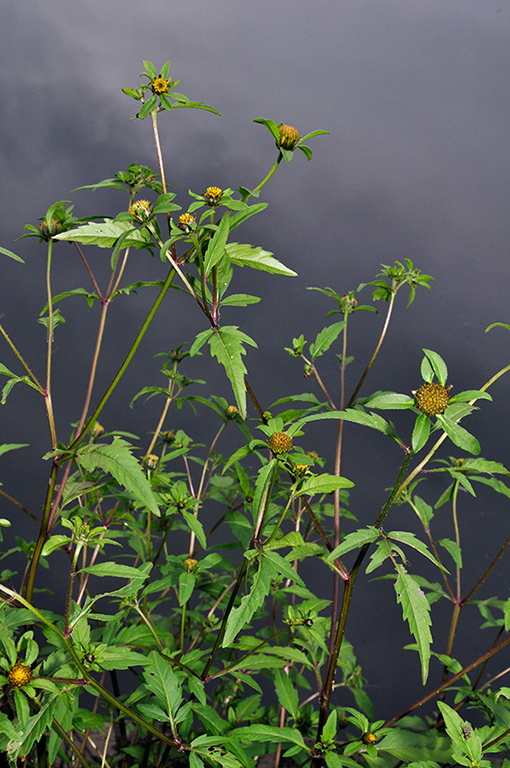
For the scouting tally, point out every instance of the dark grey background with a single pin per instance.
(415, 96)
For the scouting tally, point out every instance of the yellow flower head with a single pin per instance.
(232, 412)
(186, 222)
(432, 398)
(289, 136)
(212, 196)
(280, 442)
(19, 675)
(159, 85)
(190, 564)
(369, 738)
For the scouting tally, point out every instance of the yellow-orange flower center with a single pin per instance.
(186, 221)
(19, 675)
(159, 85)
(289, 136)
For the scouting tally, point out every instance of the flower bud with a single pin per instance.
(232, 412)
(97, 430)
(190, 564)
(151, 461)
(141, 210)
(48, 233)
(289, 137)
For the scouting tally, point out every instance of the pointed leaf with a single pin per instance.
(459, 436)
(242, 615)
(354, 541)
(227, 345)
(326, 338)
(322, 484)
(256, 257)
(421, 432)
(416, 611)
(117, 459)
(11, 255)
(216, 247)
(105, 234)
(437, 364)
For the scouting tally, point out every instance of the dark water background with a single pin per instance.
(417, 165)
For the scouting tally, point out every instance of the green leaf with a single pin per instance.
(162, 681)
(470, 394)
(239, 300)
(11, 255)
(325, 339)
(283, 567)
(286, 693)
(11, 447)
(437, 364)
(119, 570)
(391, 401)
(330, 727)
(196, 526)
(216, 248)
(272, 733)
(226, 345)
(117, 459)
(421, 432)
(406, 537)
(372, 420)
(245, 213)
(147, 107)
(242, 615)
(416, 611)
(256, 257)
(186, 586)
(458, 435)
(354, 541)
(271, 127)
(105, 234)
(322, 484)
(453, 549)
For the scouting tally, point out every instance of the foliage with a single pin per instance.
(230, 653)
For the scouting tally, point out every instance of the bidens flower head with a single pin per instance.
(19, 675)
(432, 398)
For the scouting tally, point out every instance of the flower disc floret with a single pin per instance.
(186, 222)
(141, 210)
(159, 85)
(432, 398)
(20, 675)
(289, 136)
(280, 442)
(232, 412)
(369, 738)
(212, 196)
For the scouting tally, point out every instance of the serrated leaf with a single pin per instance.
(245, 213)
(240, 616)
(326, 338)
(162, 681)
(322, 484)
(105, 234)
(119, 570)
(459, 436)
(226, 344)
(117, 459)
(261, 732)
(354, 541)
(283, 567)
(416, 611)
(372, 420)
(239, 300)
(256, 257)
(406, 537)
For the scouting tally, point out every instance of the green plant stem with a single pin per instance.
(376, 350)
(486, 572)
(18, 354)
(264, 181)
(348, 589)
(91, 274)
(154, 119)
(43, 531)
(200, 491)
(79, 547)
(47, 394)
(127, 360)
(336, 497)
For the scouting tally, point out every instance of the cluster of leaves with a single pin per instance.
(196, 569)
